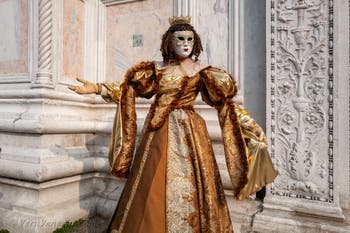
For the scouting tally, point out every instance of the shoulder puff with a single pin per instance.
(142, 66)
(218, 82)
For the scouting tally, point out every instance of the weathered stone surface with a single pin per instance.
(54, 143)
(123, 22)
(43, 207)
(304, 86)
(14, 40)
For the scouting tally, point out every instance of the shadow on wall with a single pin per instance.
(99, 191)
(93, 192)
(254, 69)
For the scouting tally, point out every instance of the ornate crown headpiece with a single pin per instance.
(179, 20)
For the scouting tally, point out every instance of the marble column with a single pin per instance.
(44, 77)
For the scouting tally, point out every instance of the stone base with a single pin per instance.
(41, 208)
(275, 221)
(242, 212)
(96, 224)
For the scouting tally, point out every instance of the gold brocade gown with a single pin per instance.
(174, 184)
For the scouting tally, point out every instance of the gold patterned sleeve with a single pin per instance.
(217, 86)
(111, 91)
(142, 78)
(217, 89)
(261, 171)
(139, 81)
(247, 158)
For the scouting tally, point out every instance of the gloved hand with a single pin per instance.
(87, 88)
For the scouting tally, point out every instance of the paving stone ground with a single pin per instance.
(95, 224)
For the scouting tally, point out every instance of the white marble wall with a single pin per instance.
(54, 142)
(9, 41)
(148, 19)
(14, 40)
(73, 37)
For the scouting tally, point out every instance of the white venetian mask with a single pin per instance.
(183, 42)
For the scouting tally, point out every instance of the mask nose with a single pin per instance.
(186, 43)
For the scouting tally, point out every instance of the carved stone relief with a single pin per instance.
(302, 100)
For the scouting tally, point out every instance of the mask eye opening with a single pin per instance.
(180, 38)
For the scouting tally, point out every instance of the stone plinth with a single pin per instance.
(45, 206)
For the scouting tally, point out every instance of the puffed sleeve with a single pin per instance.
(248, 162)
(139, 81)
(217, 89)
(141, 77)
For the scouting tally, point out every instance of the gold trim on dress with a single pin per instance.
(180, 188)
(137, 180)
(116, 137)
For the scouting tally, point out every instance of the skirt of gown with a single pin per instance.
(174, 184)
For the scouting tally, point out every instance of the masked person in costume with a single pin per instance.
(174, 184)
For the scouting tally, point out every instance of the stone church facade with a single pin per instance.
(291, 62)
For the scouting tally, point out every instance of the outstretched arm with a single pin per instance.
(108, 91)
(86, 88)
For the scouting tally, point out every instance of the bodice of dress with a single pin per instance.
(174, 91)
(177, 90)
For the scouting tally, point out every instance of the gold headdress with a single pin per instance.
(179, 20)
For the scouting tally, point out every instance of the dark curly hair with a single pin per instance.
(167, 47)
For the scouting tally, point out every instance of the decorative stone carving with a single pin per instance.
(302, 98)
(44, 75)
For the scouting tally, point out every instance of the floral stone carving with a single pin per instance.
(301, 98)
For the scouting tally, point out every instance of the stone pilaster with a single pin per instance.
(302, 114)
(303, 118)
